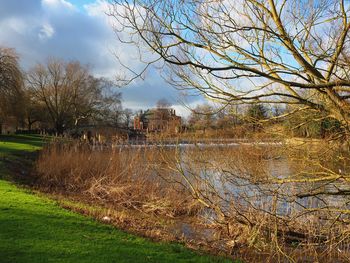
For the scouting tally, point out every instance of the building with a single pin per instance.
(158, 120)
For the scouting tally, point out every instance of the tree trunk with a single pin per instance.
(59, 128)
(29, 124)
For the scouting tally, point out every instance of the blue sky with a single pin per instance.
(79, 30)
(81, 3)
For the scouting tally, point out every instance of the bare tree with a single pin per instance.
(35, 110)
(70, 93)
(11, 83)
(202, 117)
(163, 103)
(94, 99)
(127, 113)
(11, 78)
(294, 52)
(116, 115)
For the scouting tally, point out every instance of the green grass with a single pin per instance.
(35, 229)
(12, 144)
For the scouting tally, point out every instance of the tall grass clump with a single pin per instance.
(127, 177)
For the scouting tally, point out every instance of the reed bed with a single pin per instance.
(262, 202)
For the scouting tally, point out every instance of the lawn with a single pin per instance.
(35, 229)
(11, 144)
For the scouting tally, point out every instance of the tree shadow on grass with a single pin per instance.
(13, 143)
(17, 155)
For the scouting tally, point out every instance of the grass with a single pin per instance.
(35, 229)
(12, 144)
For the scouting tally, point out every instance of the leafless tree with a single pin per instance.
(248, 51)
(68, 90)
(35, 110)
(293, 52)
(127, 114)
(163, 103)
(11, 83)
(10, 73)
(202, 117)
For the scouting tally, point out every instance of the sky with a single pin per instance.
(80, 30)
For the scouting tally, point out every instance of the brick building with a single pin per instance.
(158, 120)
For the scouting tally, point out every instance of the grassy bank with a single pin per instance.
(17, 144)
(35, 229)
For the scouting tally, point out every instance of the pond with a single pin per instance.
(254, 173)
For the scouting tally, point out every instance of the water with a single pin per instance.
(241, 171)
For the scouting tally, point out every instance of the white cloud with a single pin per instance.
(57, 4)
(98, 8)
(17, 25)
(46, 32)
(39, 29)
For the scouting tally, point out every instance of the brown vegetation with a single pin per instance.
(122, 177)
(286, 202)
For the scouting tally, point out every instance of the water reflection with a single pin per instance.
(244, 173)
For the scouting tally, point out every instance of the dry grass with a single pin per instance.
(246, 196)
(122, 177)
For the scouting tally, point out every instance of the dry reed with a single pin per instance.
(248, 195)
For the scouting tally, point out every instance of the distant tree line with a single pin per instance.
(255, 117)
(62, 96)
(57, 96)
